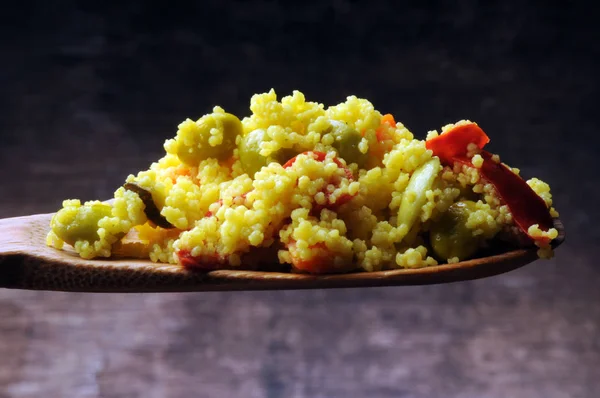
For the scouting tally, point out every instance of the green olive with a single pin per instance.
(450, 236)
(74, 223)
(346, 141)
(195, 147)
(249, 152)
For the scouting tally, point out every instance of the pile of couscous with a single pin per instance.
(301, 186)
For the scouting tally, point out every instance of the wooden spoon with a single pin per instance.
(27, 263)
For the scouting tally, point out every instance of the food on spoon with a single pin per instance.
(333, 189)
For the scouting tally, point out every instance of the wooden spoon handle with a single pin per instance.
(26, 262)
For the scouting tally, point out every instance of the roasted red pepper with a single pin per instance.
(526, 207)
(454, 142)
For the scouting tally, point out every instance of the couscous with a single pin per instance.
(303, 187)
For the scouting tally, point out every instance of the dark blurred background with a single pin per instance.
(90, 91)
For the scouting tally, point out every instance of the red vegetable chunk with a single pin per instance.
(455, 141)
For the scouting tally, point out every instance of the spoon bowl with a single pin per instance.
(26, 262)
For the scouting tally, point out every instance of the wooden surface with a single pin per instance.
(26, 262)
(106, 84)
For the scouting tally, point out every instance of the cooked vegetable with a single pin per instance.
(151, 210)
(387, 119)
(346, 141)
(455, 141)
(198, 141)
(414, 196)
(249, 152)
(80, 223)
(450, 236)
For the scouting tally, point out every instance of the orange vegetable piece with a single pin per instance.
(381, 132)
(455, 141)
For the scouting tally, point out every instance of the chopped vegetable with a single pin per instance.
(346, 141)
(385, 119)
(195, 140)
(151, 210)
(415, 195)
(455, 141)
(450, 236)
(249, 152)
(80, 222)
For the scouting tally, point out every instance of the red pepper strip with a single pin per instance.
(526, 206)
(454, 142)
(205, 262)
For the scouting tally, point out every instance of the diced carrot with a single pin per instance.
(387, 121)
